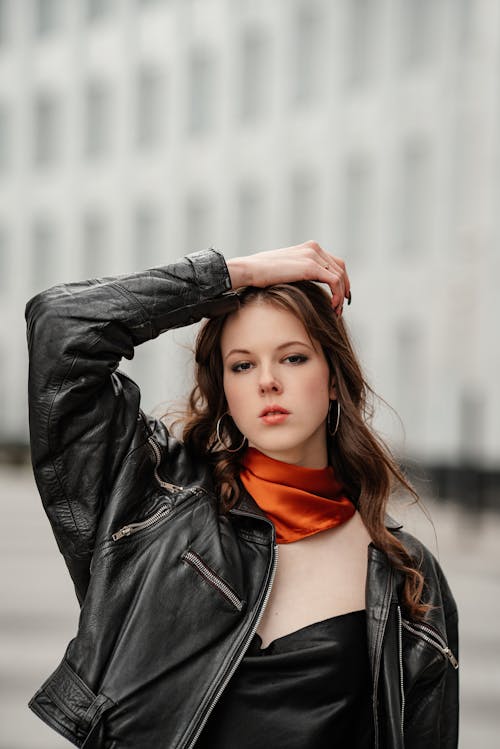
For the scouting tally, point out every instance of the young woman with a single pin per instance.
(191, 633)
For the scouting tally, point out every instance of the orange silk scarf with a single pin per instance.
(299, 501)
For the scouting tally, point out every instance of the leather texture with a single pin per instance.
(168, 611)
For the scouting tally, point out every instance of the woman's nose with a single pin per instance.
(269, 384)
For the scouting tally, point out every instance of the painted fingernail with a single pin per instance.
(349, 298)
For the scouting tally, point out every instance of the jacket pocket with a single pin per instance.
(432, 637)
(69, 706)
(212, 578)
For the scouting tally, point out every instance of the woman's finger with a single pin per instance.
(340, 264)
(331, 262)
(335, 280)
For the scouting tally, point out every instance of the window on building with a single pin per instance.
(4, 137)
(250, 227)
(202, 94)
(255, 74)
(98, 126)
(4, 22)
(358, 197)
(416, 199)
(48, 16)
(472, 412)
(304, 199)
(44, 253)
(306, 54)
(150, 106)
(96, 248)
(361, 41)
(47, 129)
(410, 372)
(148, 248)
(97, 10)
(199, 216)
(420, 24)
(4, 280)
(466, 18)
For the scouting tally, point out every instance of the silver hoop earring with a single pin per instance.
(328, 418)
(217, 429)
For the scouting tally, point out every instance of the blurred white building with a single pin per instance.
(134, 131)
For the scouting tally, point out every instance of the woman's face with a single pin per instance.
(269, 360)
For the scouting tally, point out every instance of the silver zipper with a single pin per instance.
(157, 453)
(128, 530)
(192, 558)
(242, 652)
(376, 670)
(401, 678)
(432, 637)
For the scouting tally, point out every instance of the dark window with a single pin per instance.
(150, 106)
(98, 135)
(415, 199)
(5, 137)
(306, 54)
(99, 9)
(44, 249)
(96, 249)
(358, 196)
(47, 129)
(202, 94)
(255, 74)
(148, 249)
(420, 22)
(363, 17)
(48, 16)
(303, 207)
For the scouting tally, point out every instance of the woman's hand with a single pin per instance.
(302, 262)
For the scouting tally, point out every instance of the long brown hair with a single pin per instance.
(359, 457)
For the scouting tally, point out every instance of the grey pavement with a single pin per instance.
(39, 612)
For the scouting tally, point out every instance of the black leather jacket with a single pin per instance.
(171, 591)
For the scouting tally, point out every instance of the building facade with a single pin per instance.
(135, 131)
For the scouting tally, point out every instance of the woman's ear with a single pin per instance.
(333, 392)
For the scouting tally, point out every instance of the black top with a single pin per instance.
(310, 689)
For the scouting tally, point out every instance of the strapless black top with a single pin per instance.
(310, 689)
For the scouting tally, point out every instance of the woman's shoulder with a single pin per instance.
(417, 549)
(425, 561)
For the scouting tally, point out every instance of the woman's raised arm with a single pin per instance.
(83, 412)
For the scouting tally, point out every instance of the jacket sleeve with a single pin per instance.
(450, 701)
(82, 410)
(433, 710)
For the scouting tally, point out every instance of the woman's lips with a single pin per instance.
(274, 418)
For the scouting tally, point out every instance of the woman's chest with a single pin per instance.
(318, 577)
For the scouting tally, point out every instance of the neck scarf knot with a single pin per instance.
(299, 501)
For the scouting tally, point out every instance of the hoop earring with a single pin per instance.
(328, 418)
(217, 429)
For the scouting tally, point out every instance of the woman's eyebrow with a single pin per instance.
(278, 348)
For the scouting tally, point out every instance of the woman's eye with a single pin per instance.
(244, 366)
(241, 367)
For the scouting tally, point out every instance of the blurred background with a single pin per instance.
(135, 131)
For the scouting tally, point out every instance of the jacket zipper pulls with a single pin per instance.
(451, 657)
(128, 530)
(430, 636)
(157, 453)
